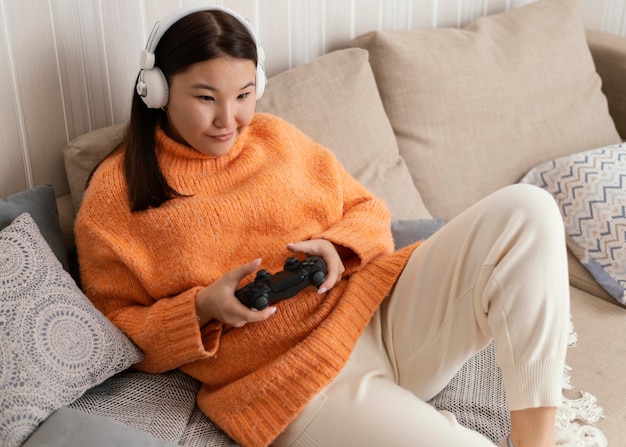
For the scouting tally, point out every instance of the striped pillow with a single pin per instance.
(590, 189)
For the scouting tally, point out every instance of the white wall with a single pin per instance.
(68, 66)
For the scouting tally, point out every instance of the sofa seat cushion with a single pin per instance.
(475, 108)
(55, 344)
(598, 361)
(580, 278)
(590, 189)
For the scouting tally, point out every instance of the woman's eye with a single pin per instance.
(206, 98)
(243, 95)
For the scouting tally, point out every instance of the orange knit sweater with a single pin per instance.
(275, 186)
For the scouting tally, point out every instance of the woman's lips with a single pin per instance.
(223, 137)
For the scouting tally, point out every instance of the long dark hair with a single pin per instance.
(197, 37)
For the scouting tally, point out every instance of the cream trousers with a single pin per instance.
(498, 270)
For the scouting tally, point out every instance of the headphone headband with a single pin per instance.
(156, 96)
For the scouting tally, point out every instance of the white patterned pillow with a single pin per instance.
(55, 344)
(590, 189)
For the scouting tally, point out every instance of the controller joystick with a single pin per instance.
(262, 275)
(267, 289)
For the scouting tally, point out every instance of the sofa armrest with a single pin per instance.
(609, 55)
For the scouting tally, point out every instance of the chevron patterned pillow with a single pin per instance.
(590, 189)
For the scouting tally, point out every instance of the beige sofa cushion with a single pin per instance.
(334, 100)
(609, 55)
(474, 109)
(83, 154)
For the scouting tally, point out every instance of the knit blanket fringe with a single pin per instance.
(575, 418)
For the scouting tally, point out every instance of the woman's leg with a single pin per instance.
(498, 270)
(364, 407)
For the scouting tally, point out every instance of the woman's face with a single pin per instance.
(211, 103)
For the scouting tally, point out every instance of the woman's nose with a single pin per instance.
(224, 116)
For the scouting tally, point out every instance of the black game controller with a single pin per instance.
(267, 289)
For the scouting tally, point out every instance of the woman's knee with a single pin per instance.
(530, 207)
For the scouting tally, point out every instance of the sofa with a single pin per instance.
(431, 121)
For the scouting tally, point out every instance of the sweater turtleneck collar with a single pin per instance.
(168, 148)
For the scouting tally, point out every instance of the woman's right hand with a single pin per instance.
(218, 300)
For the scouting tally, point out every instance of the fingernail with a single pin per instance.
(273, 310)
(322, 290)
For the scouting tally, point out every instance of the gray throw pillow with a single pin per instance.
(40, 203)
(72, 428)
(55, 343)
(407, 231)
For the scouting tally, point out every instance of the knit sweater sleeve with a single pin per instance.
(165, 329)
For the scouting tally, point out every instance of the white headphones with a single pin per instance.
(152, 85)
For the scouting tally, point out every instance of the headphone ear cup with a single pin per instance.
(261, 81)
(155, 88)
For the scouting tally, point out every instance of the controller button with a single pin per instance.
(291, 263)
(318, 278)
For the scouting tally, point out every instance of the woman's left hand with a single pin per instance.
(328, 252)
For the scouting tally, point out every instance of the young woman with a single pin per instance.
(203, 192)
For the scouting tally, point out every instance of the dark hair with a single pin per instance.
(197, 37)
